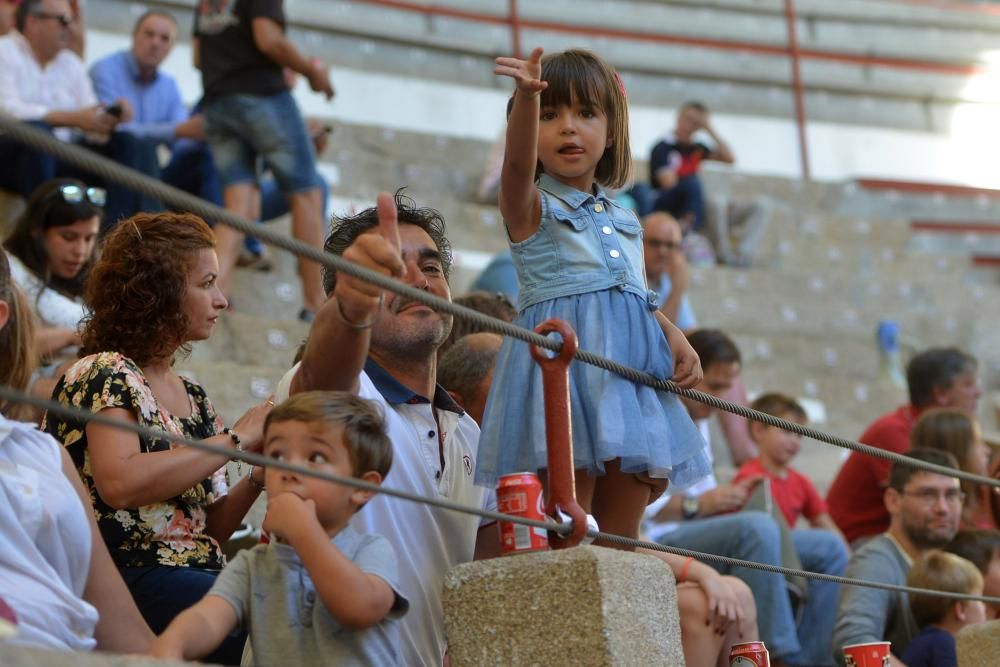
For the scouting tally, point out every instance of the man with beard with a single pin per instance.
(383, 347)
(924, 510)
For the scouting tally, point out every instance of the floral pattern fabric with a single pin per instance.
(171, 532)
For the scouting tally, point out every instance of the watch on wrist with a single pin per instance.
(690, 507)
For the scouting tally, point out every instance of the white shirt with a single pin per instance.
(53, 309)
(655, 529)
(28, 91)
(428, 541)
(46, 540)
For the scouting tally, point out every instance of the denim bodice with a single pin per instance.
(584, 243)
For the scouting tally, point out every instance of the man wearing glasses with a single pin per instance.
(667, 268)
(924, 510)
(43, 82)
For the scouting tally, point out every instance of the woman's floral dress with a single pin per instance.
(171, 532)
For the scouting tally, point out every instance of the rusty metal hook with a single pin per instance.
(561, 487)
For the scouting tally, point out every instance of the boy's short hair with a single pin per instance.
(694, 104)
(368, 445)
(977, 546)
(781, 406)
(940, 571)
(900, 474)
(936, 368)
(714, 347)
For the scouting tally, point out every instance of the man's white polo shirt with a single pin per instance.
(428, 541)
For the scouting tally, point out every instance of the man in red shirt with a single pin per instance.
(939, 377)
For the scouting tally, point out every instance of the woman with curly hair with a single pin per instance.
(163, 509)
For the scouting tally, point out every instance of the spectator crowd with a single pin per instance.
(115, 540)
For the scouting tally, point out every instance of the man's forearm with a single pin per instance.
(283, 52)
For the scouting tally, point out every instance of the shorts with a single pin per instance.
(241, 128)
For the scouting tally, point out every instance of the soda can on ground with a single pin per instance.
(749, 654)
(520, 494)
(872, 654)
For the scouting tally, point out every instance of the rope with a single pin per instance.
(110, 170)
(13, 395)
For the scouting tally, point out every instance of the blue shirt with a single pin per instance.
(933, 647)
(685, 315)
(157, 103)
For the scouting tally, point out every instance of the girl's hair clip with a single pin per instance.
(621, 86)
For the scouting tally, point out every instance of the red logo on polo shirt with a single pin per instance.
(468, 464)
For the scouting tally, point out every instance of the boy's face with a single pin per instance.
(318, 446)
(778, 445)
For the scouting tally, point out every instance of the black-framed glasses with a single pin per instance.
(931, 497)
(74, 194)
(65, 20)
(669, 245)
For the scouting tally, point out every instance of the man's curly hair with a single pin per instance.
(135, 292)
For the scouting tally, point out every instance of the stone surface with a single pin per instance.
(978, 645)
(581, 606)
(18, 656)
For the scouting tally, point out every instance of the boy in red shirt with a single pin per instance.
(793, 492)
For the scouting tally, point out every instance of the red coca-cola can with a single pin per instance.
(749, 654)
(520, 494)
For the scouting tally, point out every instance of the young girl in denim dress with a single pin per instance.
(578, 256)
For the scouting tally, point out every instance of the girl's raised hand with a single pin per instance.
(526, 73)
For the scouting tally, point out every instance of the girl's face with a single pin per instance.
(203, 300)
(571, 141)
(70, 247)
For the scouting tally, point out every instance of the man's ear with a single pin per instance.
(361, 496)
(892, 499)
(939, 397)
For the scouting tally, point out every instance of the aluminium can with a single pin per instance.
(520, 494)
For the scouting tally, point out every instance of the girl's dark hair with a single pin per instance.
(136, 290)
(47, 209)
(584, 77)
(17, 343)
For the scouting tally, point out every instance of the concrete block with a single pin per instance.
(978, 644)
(582, 606)
(21, 656)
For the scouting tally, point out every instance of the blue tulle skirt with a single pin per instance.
(612, 418)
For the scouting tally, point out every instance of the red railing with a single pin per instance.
(790, 50)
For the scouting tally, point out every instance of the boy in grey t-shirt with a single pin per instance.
(320, 593)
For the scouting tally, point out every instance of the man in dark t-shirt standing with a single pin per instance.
(241, 48)
(674, 164)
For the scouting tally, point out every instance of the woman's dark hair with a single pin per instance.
(135, 291)
(47, 209)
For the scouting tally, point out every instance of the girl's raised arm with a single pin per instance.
(519, 202)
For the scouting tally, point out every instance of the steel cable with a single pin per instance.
(110, 170)
(15, 396)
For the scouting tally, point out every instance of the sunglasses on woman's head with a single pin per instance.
(74, 194)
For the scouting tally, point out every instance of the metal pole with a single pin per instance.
(515, 30)
(560, 489)
(797, 90)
